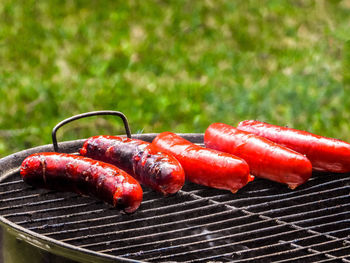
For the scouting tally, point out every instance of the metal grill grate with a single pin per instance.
(264, 221)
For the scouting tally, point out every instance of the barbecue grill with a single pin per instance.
(262, 222)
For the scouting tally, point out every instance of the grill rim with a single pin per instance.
(10, 164)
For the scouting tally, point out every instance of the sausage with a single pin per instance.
(66, 172)
(158, 170)
(325, 154)
(205, 166)
(266, 159)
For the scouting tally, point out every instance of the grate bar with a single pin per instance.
(270, 234)
(330, 224)
(337, 232)
(135, 221)
(20, 198)
(290, 195)
(264, 217)
(288, 251)
(280, 201)
(291, 242)
(150, 217)
(185, 220)
(346, 196)
(239, 242)
(15, 191)
(87, 221)
(314, 253)
(302, 214)
(290, 224)
(50, 209)
(302, 222)
(98, 211)
(34, 203)
(11, 183)
(61, 216)
(70, 239)
(75, 214)
(332, 260)
(250, 250)
(254, 240)
(182, 237)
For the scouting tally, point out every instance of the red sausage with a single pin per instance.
(266, 159)
(160, 171)
(66, 172)
(205, 166)
(325, 154)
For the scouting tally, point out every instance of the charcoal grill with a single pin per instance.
(263, 222)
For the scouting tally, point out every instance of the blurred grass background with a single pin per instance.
(171, 65)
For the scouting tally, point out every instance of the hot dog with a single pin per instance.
(65, 172)
(205, 166)
(151, 167)
(325, 154)
(266, 159)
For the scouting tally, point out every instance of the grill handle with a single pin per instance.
(88, 114)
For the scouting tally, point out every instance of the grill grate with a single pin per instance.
(263, 222)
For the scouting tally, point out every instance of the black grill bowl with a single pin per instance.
(263, 222)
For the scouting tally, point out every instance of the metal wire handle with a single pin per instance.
(88, 114)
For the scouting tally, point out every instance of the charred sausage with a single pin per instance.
(151, 167)
(66, 172)
(205, 166)
(265, 158)
(325, 154)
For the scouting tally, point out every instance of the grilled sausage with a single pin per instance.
(325, 154)
(266, 159)
(205, 166)
(66, 172)
(151, 167)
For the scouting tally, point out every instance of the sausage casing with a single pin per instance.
(265, 158)
(158, 170)
(66, 172)
(325, 154)
(205, 166)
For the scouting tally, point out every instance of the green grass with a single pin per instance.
(172, 65)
